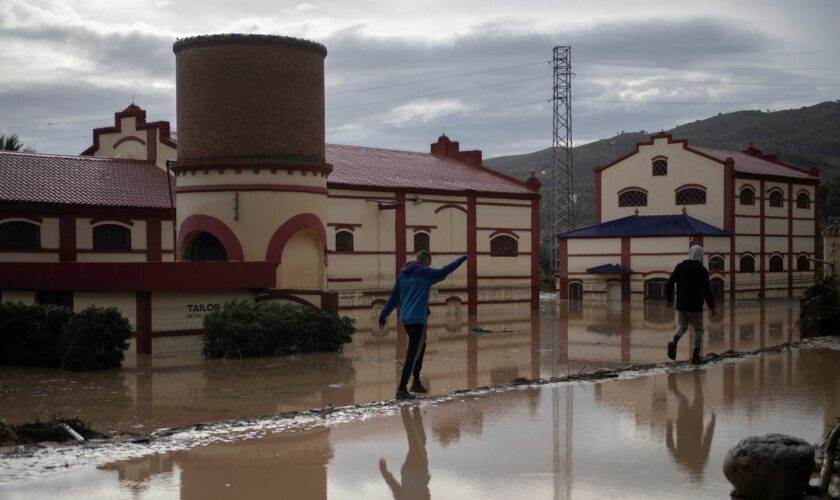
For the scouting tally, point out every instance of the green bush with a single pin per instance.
(94, 339)
(29, 335)
(820, 311)
(51, 336)
(242, 329)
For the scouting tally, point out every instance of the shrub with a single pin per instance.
(245, 329)
(29, 335)
(94, 339)
(820, 311)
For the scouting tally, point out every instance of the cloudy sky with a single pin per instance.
(399, 73)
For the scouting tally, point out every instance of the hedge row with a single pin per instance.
(242, 329)
(51, 336)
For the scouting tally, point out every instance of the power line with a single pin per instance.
(619, 101)
(723, 68)
(705, 82)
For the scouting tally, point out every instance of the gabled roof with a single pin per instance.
(833, 229)
(81, 180)
(751, 161)
(635, 226)
(362, 167)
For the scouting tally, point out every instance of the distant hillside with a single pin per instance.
(803, 137)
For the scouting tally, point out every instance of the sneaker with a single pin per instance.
(672, 350)
(417, 386)
(404, 394)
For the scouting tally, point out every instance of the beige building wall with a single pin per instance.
(684, 168)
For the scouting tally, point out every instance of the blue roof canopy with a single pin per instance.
(609, 269)
(646, 226)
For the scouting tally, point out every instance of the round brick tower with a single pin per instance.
(251, 174)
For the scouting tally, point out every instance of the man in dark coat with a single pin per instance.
(693, 287)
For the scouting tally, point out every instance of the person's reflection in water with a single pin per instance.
(414, 474)
(691, 447)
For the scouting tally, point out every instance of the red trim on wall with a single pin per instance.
(441, 192)
(286, 188)
(359, 197)
(563, 268)
(626, 261)
(503, 277)
(140, 123)
(729, 195)
(343, 280)
(763, 233)
(129, 138)
(520, 229)
(503, 231)
(343, 225)
(450, 205)
(399, 233)
(143, 322)
(472, 248)
(151, 145)
(136, 276)
(686, 186)
(283, 295)
(495, 204)
(178, 333)
(67, 238)
(535, 255)
(182, 167)
(284, 233)
(154, 240)
(597, 196)
(425, 229)
(632, 188)
(50, 210)
(195, 224)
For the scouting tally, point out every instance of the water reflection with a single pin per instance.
(691, 443)
(176, 386)
(414, 474)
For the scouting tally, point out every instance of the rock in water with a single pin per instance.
(769, 467)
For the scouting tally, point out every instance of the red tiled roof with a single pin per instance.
(81, 180)
(750, 164)
(362, 167)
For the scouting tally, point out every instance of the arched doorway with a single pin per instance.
(302, 263)
(205, 247)
(575, 291)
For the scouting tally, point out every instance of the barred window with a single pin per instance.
(747, 264)
(747, 196)
(777, 199)
(777, 264)
(575, 291)
(691, 196)
(802, 263)
(55, 298)
(343, 241)
(421, 242)
(632, 198)
(20, 235)
(504, 246)
(111, 237)
(655, 289)
(803, 201)
(206, 248)
(716, 264)
(660, 167)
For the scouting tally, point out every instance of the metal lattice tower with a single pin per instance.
(563, 178)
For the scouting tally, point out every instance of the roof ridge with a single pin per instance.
(691, 223)
(77, 157)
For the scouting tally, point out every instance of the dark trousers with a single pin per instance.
(414, 355)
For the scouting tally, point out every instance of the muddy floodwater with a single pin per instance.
(176, 386)
(660, 433)
(655, 435)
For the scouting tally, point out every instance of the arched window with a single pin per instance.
(504, 246)
(111, 237)
(690, 196)
(660, 166)
(632, 198)
(777, 199)
(343, 241)
(655, 289)
(802, 263)
(747, 264)
(206, 248)
(421, 242)
(716, 264)
(746, 196)
(575, 291)
(20, 235)
(803, 201)
(777, 264)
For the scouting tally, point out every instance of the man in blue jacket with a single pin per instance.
(411, 293)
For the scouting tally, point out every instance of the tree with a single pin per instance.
(12, 143)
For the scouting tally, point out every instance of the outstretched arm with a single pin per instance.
(436, 275)
(396, 489)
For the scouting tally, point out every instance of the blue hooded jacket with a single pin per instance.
(411, 291)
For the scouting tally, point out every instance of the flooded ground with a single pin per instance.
(656, 435)
(176, 386)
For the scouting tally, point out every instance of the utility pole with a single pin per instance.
(563, 177)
